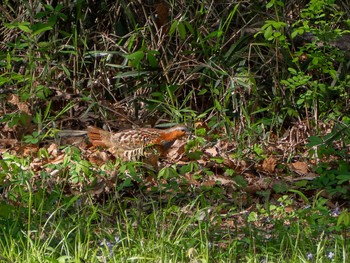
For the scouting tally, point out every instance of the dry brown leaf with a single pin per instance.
(8, 142)
(224, 180)
(191, 180)
(269, 165)
(22, 106)
(213, 151)
(299, 167)
(29, 150)
(258, 185)
(176, 151)
(209, 183)
(36, 164)
(59, 159)
(99, 158)
(53, 149)
(289, 209)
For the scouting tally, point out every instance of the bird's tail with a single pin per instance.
(99, 137)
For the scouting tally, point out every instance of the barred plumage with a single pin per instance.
(133, 144)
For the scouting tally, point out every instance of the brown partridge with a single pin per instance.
(133, 144)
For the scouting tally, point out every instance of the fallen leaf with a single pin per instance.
(299, 167)
(269, 165)
(213, 151)
(99, 158)
(209, 183)
(22, 106)
(53, 149)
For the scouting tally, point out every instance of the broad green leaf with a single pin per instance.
(344, 219)
(292, 71)
(343, 178)
(214, 34)
(136, 55)
(152, 60)
(269, 4)
(314, 141)
(182, 30)
(202, 92)
(4, 165)
(315, 61)
(277, 34)
(268, 32)
(218, 105)
(49, 7)
(24, 28)
(173, 27)
(189, 27)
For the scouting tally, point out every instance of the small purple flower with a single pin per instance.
(335, 211)
(330, 255)
(108, 245)
(309, 256)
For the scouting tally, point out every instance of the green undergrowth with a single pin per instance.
(43, 222)
(78, 230)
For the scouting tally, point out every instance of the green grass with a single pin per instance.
(163, 235)
(42, 221)
(155, 226)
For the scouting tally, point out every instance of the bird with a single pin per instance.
(140, 143)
